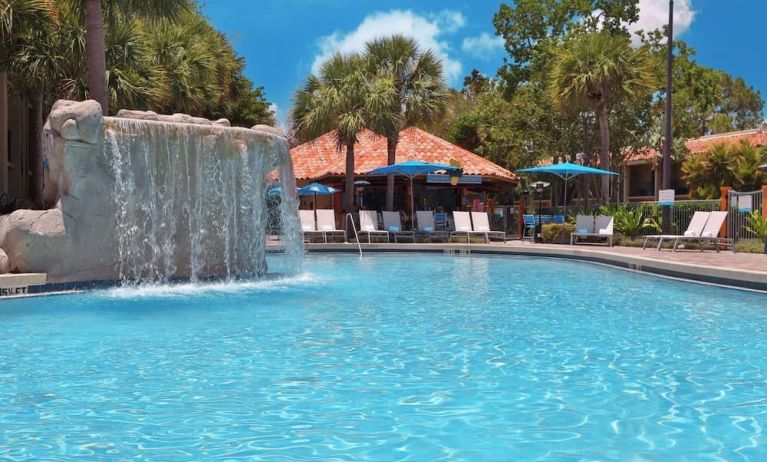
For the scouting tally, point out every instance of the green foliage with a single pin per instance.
(749, 246)
(557, 232)
(161, 55)
(630, 221)
(757, 223)
(734, 165)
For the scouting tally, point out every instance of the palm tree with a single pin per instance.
(599, 70)
(342, 99)
(95, 43)
(421, 96)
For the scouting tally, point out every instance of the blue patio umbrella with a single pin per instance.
(411, 169)
(316, 189)
(566, 171)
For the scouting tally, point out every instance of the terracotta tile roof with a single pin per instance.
(320, 157)
(757, 137)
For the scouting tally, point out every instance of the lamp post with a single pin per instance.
(539, 186)
(667, 135)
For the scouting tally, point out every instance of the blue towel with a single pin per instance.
(428, 229)
(393, 229)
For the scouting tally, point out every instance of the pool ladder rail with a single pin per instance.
(350, 218)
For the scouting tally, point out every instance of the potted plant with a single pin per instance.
(757, 223)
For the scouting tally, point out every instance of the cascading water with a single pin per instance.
(190, 201)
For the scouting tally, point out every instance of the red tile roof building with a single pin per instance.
(756, 136)
(321, 158)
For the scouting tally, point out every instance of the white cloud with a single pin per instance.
(274, 109)
(428, 31)
(482, 46)
(653, 14)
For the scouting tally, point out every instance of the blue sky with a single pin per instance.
(283, 40)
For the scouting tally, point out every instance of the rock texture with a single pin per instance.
(92, 160)
(4, 267)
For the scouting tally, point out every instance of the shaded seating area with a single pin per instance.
(427, 226)
(393, 224)
(369, 225)
(600, 227)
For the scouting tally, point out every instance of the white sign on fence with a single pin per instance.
(666, 197)
(745, 203)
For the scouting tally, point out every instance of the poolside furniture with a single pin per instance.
(601, 227)
(481, 224)
(694, 229)
(426, 226)
(462, 221)
(369, 224)
(393, 225)
(308, 226)
(440, 221)
(326, 224)
(710, 233)
(529, 231)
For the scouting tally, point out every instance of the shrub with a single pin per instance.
(557, 232)
(629, 222)
(749, 246)
(757, 224)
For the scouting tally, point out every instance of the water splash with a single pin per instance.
(190, 201)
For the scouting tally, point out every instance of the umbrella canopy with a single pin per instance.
(413, 168)
(317, 189)
(361, 183)
(566, 171)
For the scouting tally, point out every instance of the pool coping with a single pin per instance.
(20, 285)
(726, 277)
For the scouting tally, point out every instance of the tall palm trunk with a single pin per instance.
(349, 181)
(604, 149)
(96, 54)
(36, 145)
(391, 157)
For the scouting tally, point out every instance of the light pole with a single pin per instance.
(539, 186)
(667, 135)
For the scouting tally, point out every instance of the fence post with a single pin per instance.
(723, 203)
(521, 206)
(764, 200)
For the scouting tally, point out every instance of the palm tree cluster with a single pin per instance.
(161, 55)
(734, 165)
(392, 85)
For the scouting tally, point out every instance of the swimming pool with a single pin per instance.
(416, 357)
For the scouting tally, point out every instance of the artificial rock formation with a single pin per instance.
(144, 196)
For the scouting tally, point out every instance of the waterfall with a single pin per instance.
(190, 200)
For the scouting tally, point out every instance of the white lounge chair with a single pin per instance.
(603, 229)
(694, 229)
(369, 224)
(584, 226)
(427, 227)
(710, 233)
(308, 226)
(393, 225)
(462, 222)
(481, 224)
(326, 224)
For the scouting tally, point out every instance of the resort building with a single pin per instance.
(482, 185)
(642, 169)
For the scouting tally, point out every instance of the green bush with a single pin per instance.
(757, 224)
(749, 246)
(630, 221)
(557, 232)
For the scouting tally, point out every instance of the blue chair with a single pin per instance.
(530, 222)
(559, 219)
(440, 221)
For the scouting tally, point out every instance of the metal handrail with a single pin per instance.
(354, 227)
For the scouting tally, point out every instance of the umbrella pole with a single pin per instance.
(412, 202)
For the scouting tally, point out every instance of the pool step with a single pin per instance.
(14, 284)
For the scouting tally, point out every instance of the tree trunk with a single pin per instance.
(604, 149)
(349, 181)
(95, 49)
(391, 151)
(36, 146)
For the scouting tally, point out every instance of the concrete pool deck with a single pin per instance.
(740, 270)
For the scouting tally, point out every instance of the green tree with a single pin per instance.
(342, 99)
(420, 91)
(735, 165)
(599, 70)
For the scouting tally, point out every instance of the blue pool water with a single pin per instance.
(417, 357)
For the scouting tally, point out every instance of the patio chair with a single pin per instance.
(584, 226)
(440, 221)
(308, 226)
(393, 225)
(369, 224)
(603, 229)
(425, 221)
(462, 221)
(529, 231)
(326, 224)
(482, 225)
(710, 233)
(694, 229)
